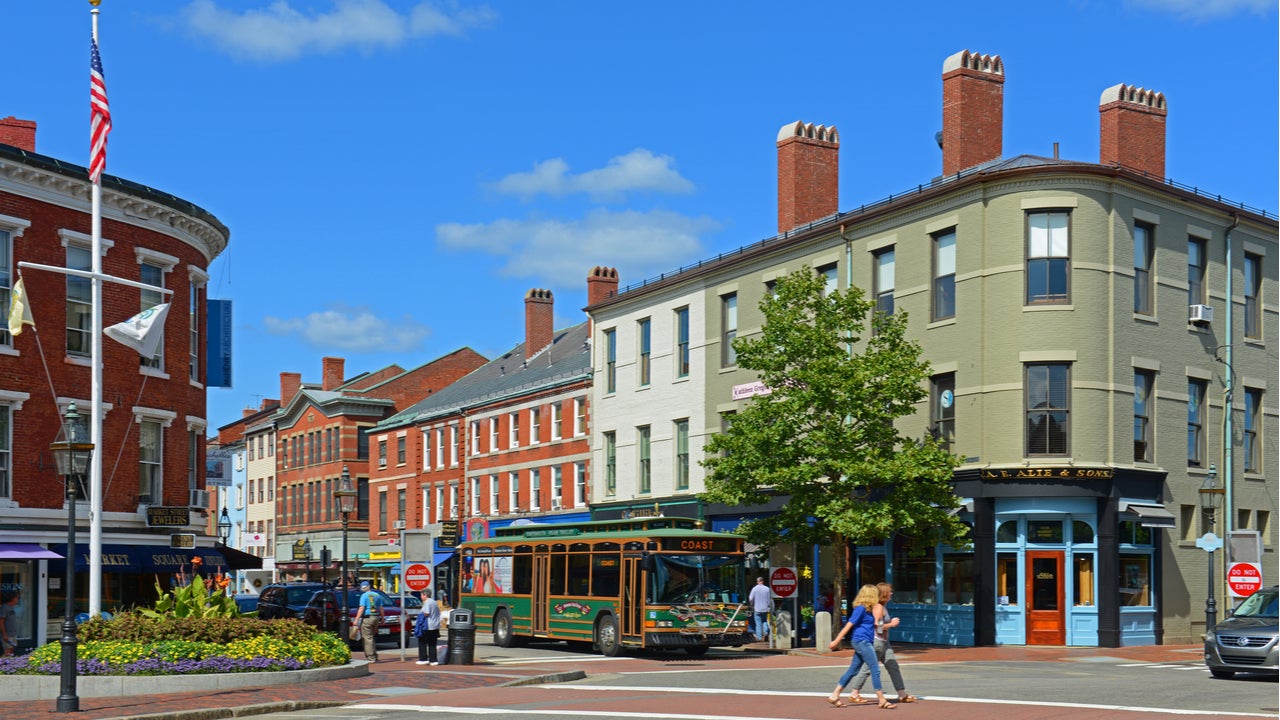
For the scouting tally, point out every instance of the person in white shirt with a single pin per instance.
(427, 630)
(761, 603)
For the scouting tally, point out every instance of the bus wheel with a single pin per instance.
(607, 641)
(696, 650)
(503, 636)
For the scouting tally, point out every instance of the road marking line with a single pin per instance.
(558, 713)
(552, 659)
(942, 698)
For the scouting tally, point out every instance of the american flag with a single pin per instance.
(100, 125)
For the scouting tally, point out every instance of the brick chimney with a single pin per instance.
(18, 133)
(1132, 123)
(602, 284)
(290, 383)
(972, 110)
(333, 369)
(539, 321)
(808, 174)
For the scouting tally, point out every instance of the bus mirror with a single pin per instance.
(647, 563)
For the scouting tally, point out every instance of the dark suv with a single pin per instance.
(311, 602)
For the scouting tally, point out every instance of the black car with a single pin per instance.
(311, 602)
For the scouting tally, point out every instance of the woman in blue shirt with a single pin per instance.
(863, 625)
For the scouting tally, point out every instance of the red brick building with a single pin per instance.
(154, 420)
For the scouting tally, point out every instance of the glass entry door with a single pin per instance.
(1046, 614)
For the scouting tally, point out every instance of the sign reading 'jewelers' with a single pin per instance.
(161, 516)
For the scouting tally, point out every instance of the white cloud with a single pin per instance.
(351, 329)
(279, 32)
(560, 253)
(638, 170)
(1207, 9)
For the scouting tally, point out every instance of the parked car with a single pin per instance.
(311, 602)
(412, 608)
(247, 602)
(389, 628)
(1246, 641)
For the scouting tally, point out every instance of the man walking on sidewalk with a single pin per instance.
(761, 603)
(427, 630)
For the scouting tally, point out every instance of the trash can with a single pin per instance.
(462, 637)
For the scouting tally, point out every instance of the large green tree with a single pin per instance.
(839, 376)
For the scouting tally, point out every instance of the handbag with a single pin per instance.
(355, 631)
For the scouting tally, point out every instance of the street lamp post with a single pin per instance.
(72, 454)
(345, 496)
(1210, 500)
(306, 548)
(224, 526)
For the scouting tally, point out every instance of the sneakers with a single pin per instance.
(434, 663)
(422, 662)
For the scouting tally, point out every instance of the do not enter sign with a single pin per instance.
(1244, 579)
(782, 581)
(417, 577)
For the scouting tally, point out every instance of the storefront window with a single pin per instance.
(15, 579)
(1007, 578)
(1135, 580)
(957, 579)
(1007, 532)
(1084, 579)
(1081, 532)
(1044, 532)
(1131, 533)
(871, 570)
(914, 577)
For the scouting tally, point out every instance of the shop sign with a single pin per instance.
(1048, 473)
(448, 534)
(162, 516)
(746, 390)
(182, 540)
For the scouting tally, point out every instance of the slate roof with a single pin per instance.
(566, 360)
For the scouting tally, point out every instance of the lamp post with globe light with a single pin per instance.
(345, 496)
(72, 453)
(1211, 494)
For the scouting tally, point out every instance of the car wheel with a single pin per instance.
(607, 640)
(503, 635)
(1223, 674)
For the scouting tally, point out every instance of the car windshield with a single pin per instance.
(1262, 604)
(695, 578)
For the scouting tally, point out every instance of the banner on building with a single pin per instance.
(218, 344)
(217, 467)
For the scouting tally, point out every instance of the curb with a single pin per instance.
(550, 678)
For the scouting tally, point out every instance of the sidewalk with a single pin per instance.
(391, 677)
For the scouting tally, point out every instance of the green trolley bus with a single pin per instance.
(653, 582)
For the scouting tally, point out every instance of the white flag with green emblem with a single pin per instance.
(143, 331)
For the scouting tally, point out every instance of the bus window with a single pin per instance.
(605, 575)
(695, 578)
(556, 584)
(579, 575)
(522, 574)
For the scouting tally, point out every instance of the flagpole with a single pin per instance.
(95, 361)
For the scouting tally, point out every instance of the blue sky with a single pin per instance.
(397, 174)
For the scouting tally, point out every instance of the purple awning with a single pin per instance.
(26, 551)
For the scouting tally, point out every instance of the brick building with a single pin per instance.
(154, 425)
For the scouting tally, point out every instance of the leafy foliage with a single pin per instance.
(198, 598)
(826, 435)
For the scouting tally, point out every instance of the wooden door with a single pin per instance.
(1046, 614)
(631, 621)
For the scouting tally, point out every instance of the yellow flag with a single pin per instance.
(19, 311)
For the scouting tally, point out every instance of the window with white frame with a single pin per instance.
(1144, 249)
(610, 361)
(557, 419)
(382, 453)
(441, 508)
(198, 279)
(194, 442)
(830, 279)
(535, 425)
(6, 456)
(557, 485)
(453, 445)
(610, 463)
(495, 495)
(1252, 296)
(6, 283)
(682, 342)
(885, 265)
(645, 468)
(682, 454)
(1048, 408)
(1143, 386)
(475, 437)
(513, 430)
(580, 484)
(475, 496)
(728, 329)
(152, 274)
(453, 500)
(150, 462)
(513, 491)
(944, 275)
(579, 417)
(493, 434)
(1048, 258)
(79, 301)
(439, 448)
(426, 449)
(427, 507)
(1196, 293)
(644, 333)
(1196, 413)
(535, 488)
(1252, 424)
(401, 449)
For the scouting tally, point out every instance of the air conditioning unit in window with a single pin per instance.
(1201, 314)
(397, 525)
(198, 499)
(555, 504)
